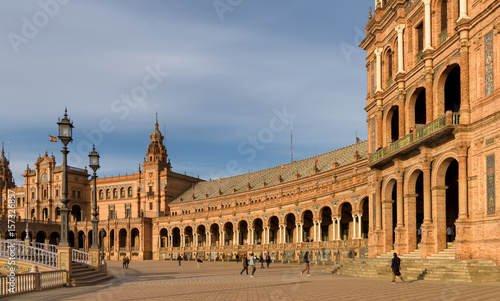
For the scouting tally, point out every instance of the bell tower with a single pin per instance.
(157, 152)
(6, 180)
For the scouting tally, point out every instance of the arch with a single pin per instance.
(176, 237)
(448, 87)
(201, 231)
(81, 240)
(290, 235)
(346, 220)
(102, 241)
(243, 232)
(45, 214)
(57, 214)
(188, 236)
(130, 191)
(108, 194)
(273, 223)
(325, 214)
(307, 225)
(76, 213)
(71, 239)
(214, 234)
(416, 109)
(391, 123)
(89, 240)
(115, 193)
(101, 194)
(122, 192)
(228, 237)
(122, 239)
(365, 217)
(258, 226)
(54, 238)
(163, 238)
(112, 240)
(135, 239)
(338, 210)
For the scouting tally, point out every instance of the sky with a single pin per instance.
(228, 79)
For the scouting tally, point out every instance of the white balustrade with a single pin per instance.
(80, 257)
(11, 249)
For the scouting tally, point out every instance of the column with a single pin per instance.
(378, 204)
(251, 236)
(220, 238)
(400, 28)
(296, 230)
(427, 25)
(427, 191)
(463, 10)
(359, 226)
(208, 239)
(400, 221)
(195, 243)
(338, 229)
(319, 232)
(264, 236)
(301, 235)
(462, 185)
(334, 229)
(354, 233)
(378, 53)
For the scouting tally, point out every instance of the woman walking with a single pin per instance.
(261, 260)
(252, 263)
(245, 264)
(306, 261)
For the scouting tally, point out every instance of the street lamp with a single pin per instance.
(94, 164)
(65, 129)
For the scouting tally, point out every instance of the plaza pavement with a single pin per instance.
(165, 280)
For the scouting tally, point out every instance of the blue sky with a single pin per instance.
(224, 77)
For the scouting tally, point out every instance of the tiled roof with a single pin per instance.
(304, 168)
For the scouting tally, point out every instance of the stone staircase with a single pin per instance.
(441, 266)
(86, 275)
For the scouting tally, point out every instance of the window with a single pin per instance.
(150, 205)
(122, 192)
(32, 195)
(101, 194)
(420, 36)
(79, 194)
(108, 194)
(57, 193)
(73, 193)
(389, 64)
(130, 192)
(115, 193)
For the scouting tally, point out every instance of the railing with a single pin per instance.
(419, 134)
(81, 257)
(48, 247)
(30, 282)
(28, 253)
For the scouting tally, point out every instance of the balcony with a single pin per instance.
(429, 133)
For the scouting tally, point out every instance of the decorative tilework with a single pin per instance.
(488, 64)
(373, 135)
(374, 206)
(490, 183)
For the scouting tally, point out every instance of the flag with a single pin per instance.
(219, 180)
(52, 138)
(316, 161)
(282, 167)
(358, 140)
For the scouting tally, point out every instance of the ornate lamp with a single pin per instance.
(65, 135)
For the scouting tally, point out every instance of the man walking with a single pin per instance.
(245, 264)
(395, 268)
(450, 233)
(252, 264)
(268, 259)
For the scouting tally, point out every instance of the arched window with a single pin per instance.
(122, 192)
(108, 194)
(389, 65)
(130, 192)
(115, 193)
(101, 194)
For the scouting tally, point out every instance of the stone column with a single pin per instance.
(208, 238)
(463, 10)
(338, 229)
(252, 241)
(334, 226)
(314, 231)
(462, 182)
(378, 53)
(427, 191)
(400, 223)
(354, 226)
(301, 233)
(400, 29)
(378, 204)
(265, 238)
(427, 25)
(464, 74)
(318, 233)
(359, 226)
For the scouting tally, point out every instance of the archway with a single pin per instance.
(163, 238)
(54, 238)
(71, 239)
(307, 226)
(214, 235)
(365, 218)
(202, 236)
(258, 229)
(392, 124)
(89, 239)
(274, 225)
(228, 236)
(76, 213)
(326, 224)
(103, 245)
(122, 240)
(81, 240)
(135, 242)
(243, 230)
(112, 240)
(420, 108)
(188, 236)
(452, 91)
(346, 221)
(290, 236)
(451, 181)
(45, 214)
(176, 237)
(57, 214)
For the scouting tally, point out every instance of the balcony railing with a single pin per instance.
(419, 135)
(31, 282)
(81, 257)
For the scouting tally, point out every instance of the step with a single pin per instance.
(90, 281)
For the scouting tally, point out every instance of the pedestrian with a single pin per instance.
(395, 269)
(237, 258)
(261, 260)
(268, 260)
(124, 262)
(419, 235)
(450, 233)
(179, 259)
(198, 261)
(217, 258)
(128, 261)
(306, 261)
(245, 264)
(252, 264)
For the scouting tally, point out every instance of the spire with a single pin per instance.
(3, 153)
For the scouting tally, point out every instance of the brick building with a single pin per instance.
(429, 163)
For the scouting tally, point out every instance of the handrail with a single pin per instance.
(81, 257)
(48, 247)
(31, 282)
(28, 253)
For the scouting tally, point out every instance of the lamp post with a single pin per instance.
(94, 164)
(65, 130)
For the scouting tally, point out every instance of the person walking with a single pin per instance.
(395, 269)
(124, 262)
(245, 264)
(306, 261)
(252, 264)
(198, 261)
(128, 261)
(179, 259)
(268, 259)
(450, 233)
(261, 260)
(237, 258)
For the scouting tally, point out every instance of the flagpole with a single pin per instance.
(48, 140)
